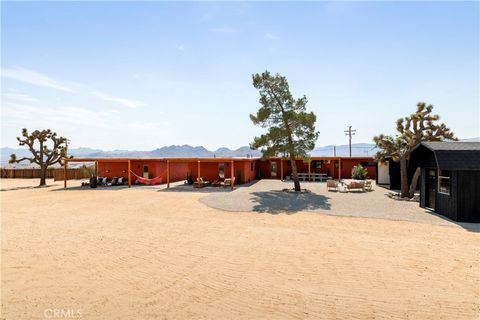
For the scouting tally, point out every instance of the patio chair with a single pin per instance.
(228, 182)
(368, 185)
(332, 184)
(200, 183)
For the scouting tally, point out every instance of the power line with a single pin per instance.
(350, 133)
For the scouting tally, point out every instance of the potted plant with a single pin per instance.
(359, 172)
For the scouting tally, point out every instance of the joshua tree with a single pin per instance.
(43, 156)
(419, 126)
(291, 130)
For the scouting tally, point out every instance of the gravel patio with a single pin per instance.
(266, 196)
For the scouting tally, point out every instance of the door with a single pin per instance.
(145, 172)
(273, 169)
(431, 188)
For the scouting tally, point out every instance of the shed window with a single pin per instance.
(444, 182)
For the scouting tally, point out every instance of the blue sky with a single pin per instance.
(143, 75)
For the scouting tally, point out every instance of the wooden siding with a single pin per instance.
(468, 196)
(446, 205)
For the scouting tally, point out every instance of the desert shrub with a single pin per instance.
(359, 172)
(88, 170)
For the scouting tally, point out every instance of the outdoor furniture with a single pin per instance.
(356, 185)
(228, 182)
(332, 184)
(368, 185)
(200, 183)
(302, 176)
(102, 181)
(318, 176)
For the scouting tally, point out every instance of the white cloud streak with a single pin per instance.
(125, 102)
(38, 79)
(34, 78)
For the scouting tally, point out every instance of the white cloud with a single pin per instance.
(224, 30)
(34, 78)
(18, 97)
(38, 79)
(125, 102)
(65, 118)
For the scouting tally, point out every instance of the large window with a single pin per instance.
(444, 182)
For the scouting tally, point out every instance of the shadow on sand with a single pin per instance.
(25, 188)
(275, 202)
(88, 189)
(180, 187)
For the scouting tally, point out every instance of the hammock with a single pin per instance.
(148, 181)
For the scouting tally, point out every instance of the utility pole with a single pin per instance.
(66, 147)
(350, 133)
(334, 151)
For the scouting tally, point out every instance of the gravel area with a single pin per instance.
(267, 196)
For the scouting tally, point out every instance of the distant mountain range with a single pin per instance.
(187, 151)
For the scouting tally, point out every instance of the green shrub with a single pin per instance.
(359, 172)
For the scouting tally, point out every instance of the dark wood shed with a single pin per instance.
(450, 178)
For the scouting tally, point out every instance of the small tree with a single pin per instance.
(291, 130)
(419, 126)
(359, 172)
(42, 155)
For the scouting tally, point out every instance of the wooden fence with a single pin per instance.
(72, 174)
(56, 174)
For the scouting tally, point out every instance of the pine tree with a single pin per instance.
(291, 129)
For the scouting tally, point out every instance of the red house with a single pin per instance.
(167, 170)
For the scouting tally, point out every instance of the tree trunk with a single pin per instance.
(296, 182)
(404, 177)
(43, 175)
(413, 185)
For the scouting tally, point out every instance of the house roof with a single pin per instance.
(455, 155)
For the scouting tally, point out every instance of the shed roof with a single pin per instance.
(455, 155)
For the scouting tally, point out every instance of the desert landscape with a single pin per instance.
(143, 253)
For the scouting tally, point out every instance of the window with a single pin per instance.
(221, 170)
(444, 182)
(317, 164)
(251, 166)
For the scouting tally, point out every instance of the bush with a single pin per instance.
(359, 172)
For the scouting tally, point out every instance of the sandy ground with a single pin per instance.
(141, 253)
